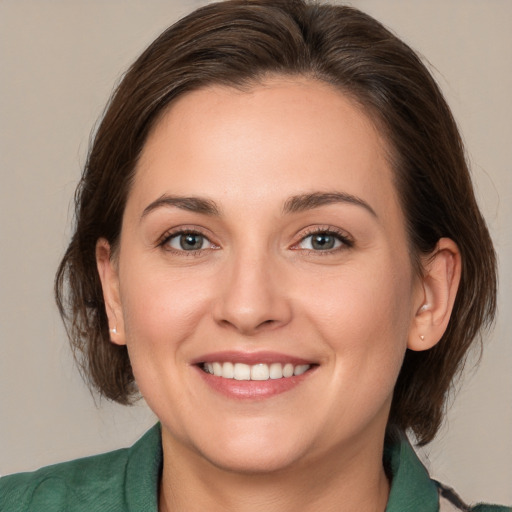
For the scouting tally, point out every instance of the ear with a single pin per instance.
(108, 272)
(440, 281)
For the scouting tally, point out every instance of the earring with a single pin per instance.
(422, 337)
(114, 330)
(423, 308)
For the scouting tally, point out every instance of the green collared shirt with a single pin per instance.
(127, 481)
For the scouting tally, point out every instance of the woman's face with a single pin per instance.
(262, 236)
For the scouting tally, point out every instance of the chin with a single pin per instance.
(254, 451)
(249, 462)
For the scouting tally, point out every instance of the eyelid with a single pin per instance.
(340, 234)
(345, 239)
(183, 230)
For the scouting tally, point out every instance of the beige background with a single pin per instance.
(59, 60)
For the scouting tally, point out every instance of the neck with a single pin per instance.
(342, 481)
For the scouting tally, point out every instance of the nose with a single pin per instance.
(253, 296)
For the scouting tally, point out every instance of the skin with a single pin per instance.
(256, 284)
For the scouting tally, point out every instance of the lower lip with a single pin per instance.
(253, 389)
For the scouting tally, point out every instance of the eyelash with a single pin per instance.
(167, 237)
(340, 236)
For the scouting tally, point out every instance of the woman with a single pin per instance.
(278, 242)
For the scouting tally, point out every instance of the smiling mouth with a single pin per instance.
(260, 371)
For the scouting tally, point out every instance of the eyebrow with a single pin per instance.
(294, 204)
(192, 204)
(304, 202)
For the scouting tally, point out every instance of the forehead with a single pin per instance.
(286, 136)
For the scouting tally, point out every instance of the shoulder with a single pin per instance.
(93, 483)
(57, 487)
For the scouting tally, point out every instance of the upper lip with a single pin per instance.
(250, 358)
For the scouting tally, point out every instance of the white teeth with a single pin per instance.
(260, 371)
(242, 371)
(228, 370)
(217, 369)
(300, 369)
(276, 371)
(288, 370)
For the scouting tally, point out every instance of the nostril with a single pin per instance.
(250, 307)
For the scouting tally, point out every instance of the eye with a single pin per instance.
(323, 241)
(187, 241)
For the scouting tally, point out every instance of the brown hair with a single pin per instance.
(238, 43)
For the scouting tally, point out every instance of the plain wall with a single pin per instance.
(59, 60)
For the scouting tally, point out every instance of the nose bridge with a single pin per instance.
(252, 297)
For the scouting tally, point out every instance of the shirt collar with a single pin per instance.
(411, 487)
(143, 472)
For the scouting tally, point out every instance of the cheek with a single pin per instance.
(161, 312)
(162, 308)
(363, 298)
(364, 315)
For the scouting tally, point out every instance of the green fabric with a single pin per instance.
(127, 481)
(122, 481)
(412, 489)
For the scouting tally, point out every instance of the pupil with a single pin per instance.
(323, 242)
(191, 241)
